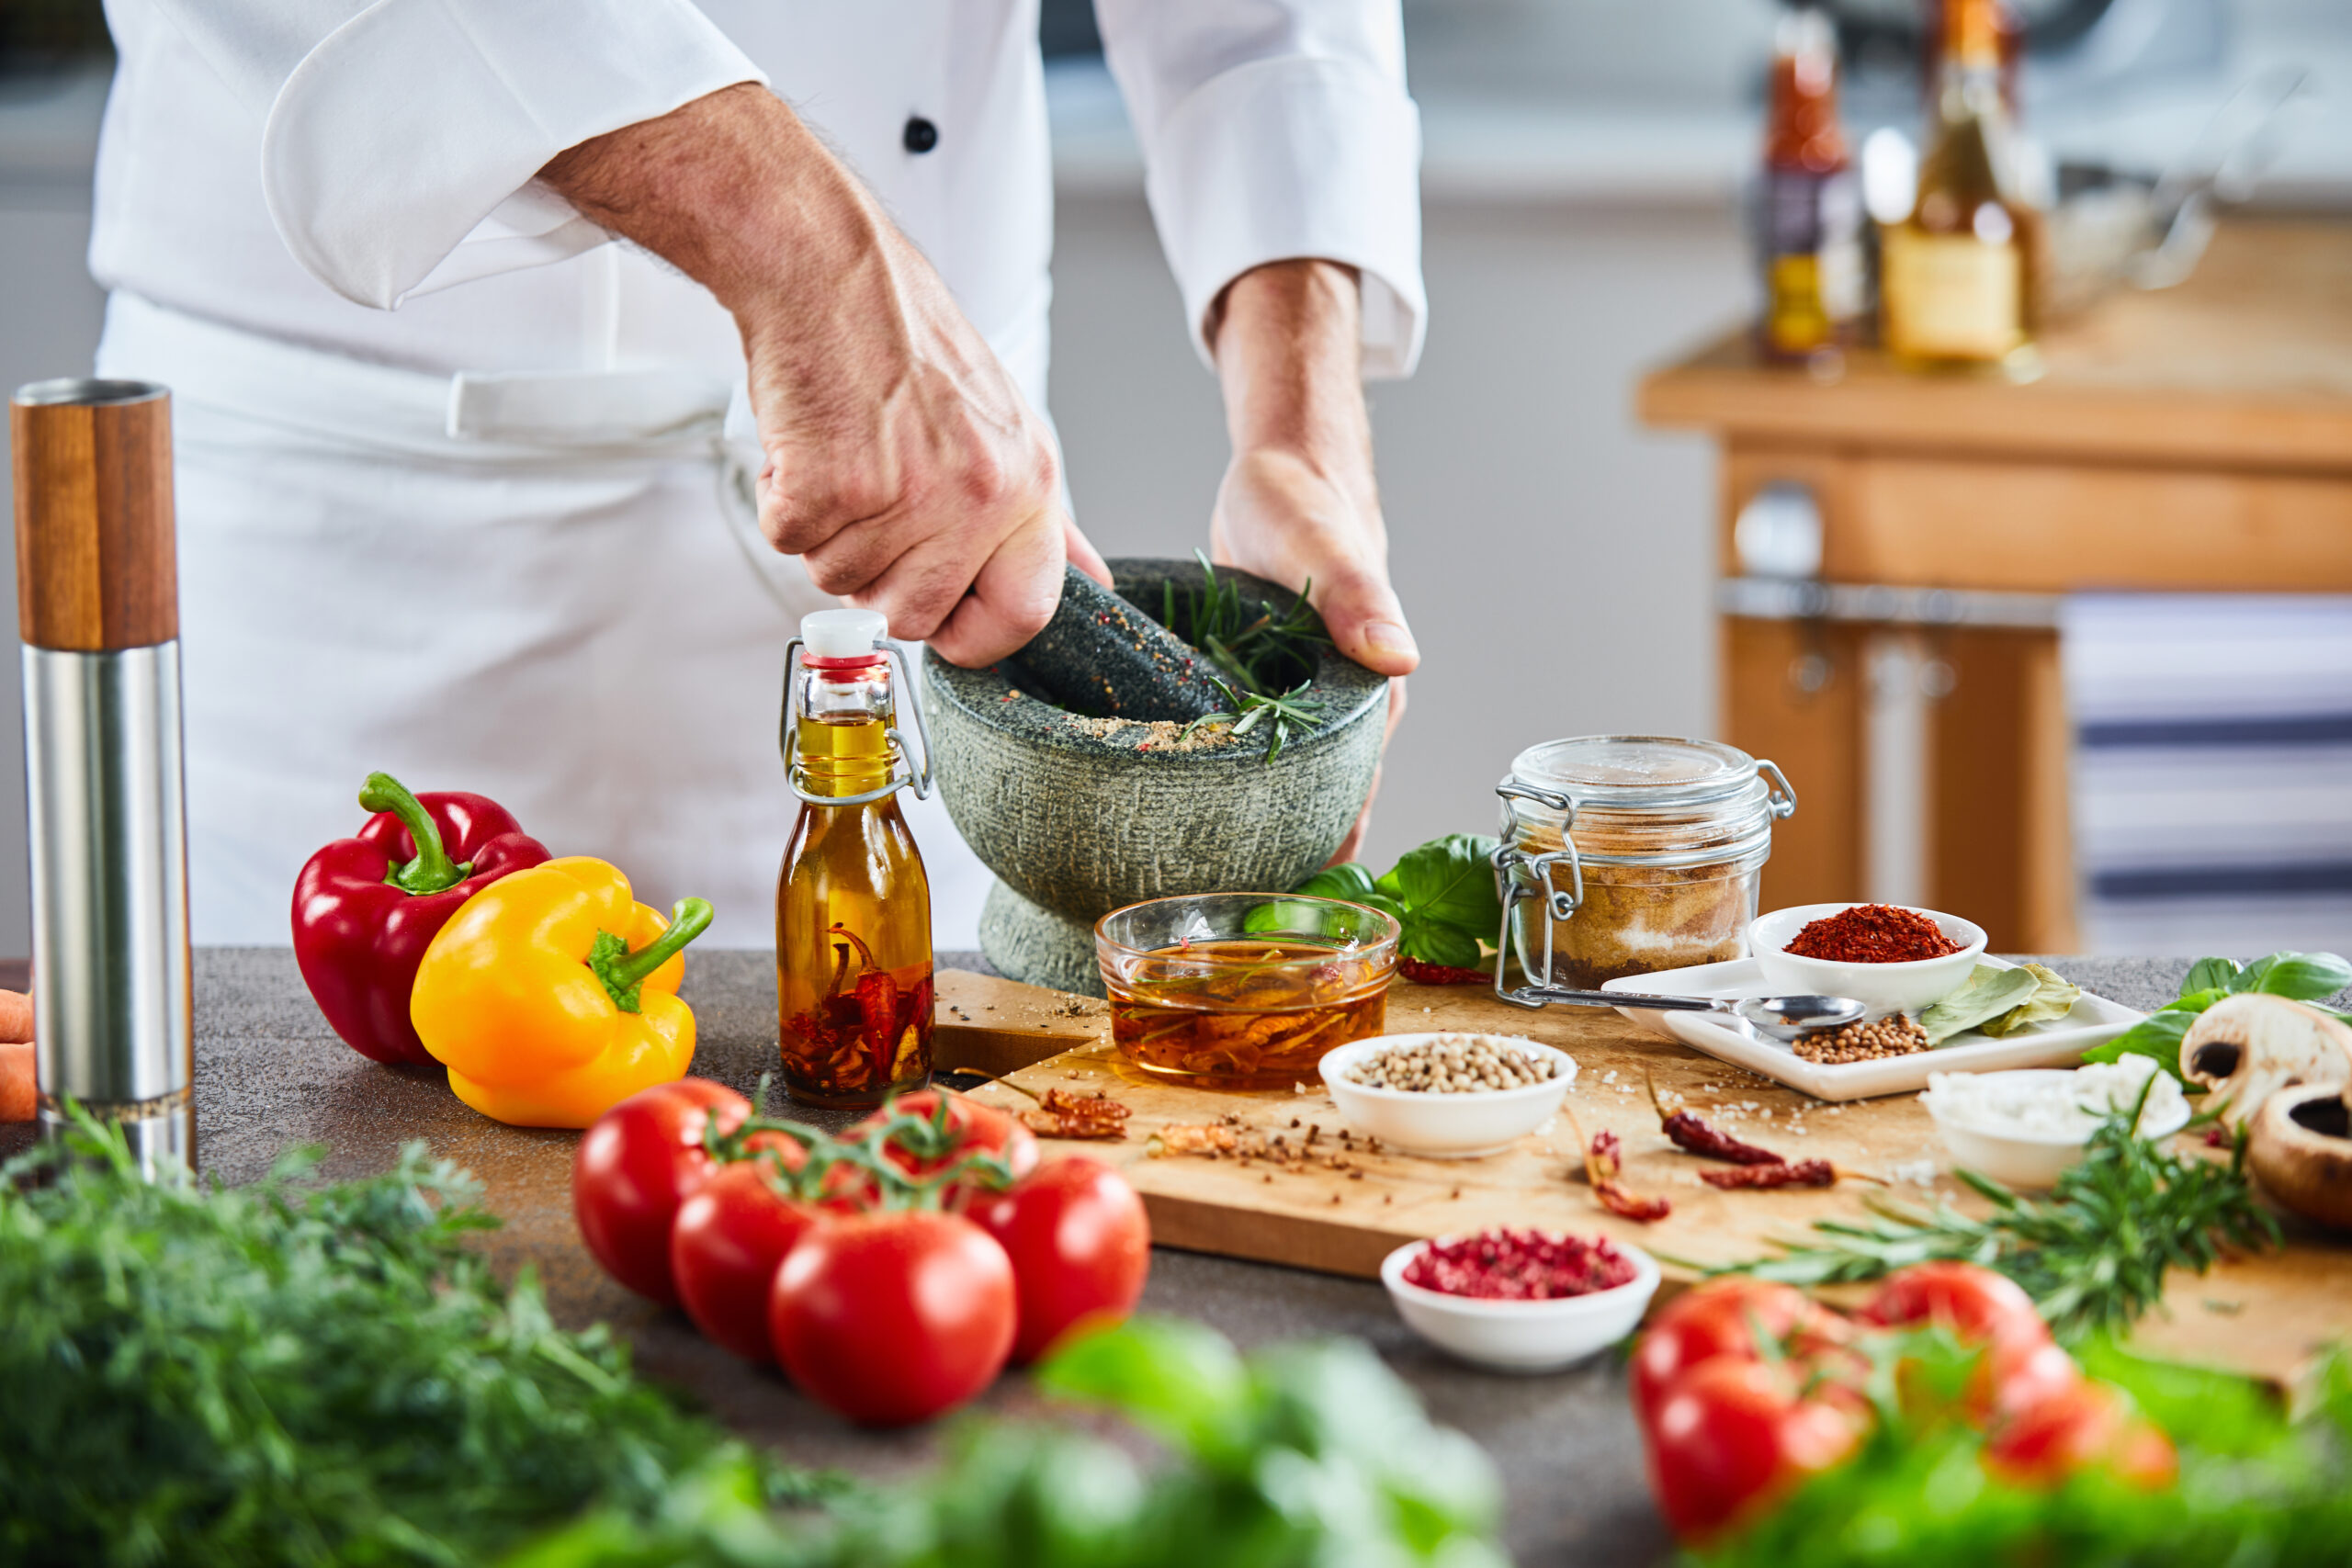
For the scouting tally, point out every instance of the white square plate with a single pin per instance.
(2057, 1043)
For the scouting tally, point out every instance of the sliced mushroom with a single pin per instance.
(2300, 1150)
(2246, 1048)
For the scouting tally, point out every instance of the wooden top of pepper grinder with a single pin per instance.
(97, 568)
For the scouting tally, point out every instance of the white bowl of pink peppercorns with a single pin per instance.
(1521, 1300)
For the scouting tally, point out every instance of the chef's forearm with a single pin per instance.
(734, 191)
(1289, 355)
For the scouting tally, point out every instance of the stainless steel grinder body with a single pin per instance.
(98, 612)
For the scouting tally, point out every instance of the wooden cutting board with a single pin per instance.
(2265, 1317)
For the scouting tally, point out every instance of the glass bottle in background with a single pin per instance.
(1957, 274)
(853, 904)
(1808, 210)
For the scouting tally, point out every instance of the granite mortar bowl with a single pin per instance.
(1075, 825)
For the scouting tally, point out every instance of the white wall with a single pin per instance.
(1553, 556)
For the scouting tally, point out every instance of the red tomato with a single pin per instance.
(893, 1318)
(972, 1128)
(1079, 1245)
(1719, 1318)
(1975, 1305)
(2022, 1365)
(729, 1238)
(2083, 1426)
(641, 1160)
(1733, 1436)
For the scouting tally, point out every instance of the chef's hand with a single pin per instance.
(903, 466)
(1298, 501)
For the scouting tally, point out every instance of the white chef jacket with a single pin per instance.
(283, 184)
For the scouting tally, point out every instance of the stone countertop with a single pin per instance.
(269, 1073)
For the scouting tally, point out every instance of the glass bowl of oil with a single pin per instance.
(1243, 990)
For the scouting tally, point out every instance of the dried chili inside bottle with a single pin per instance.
(852, 917)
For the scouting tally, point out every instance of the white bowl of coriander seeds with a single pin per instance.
(1447, 1096)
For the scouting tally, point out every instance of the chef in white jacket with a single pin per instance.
(474, 493)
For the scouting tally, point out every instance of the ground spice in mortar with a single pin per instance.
(1872, 933)
(1519, 1266)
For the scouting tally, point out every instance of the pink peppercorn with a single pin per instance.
(1519, 1266)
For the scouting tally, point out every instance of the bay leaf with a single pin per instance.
(1987, 993)
(2053, 999)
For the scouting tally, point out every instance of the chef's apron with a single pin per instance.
(548, 589)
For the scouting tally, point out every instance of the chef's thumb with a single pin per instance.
(1366, 622)
(1084, 555)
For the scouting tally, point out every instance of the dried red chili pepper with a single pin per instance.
(1603, 1160)
(1787, 1173)
(1872, 933)
(1423, 973)
(1693, 1136)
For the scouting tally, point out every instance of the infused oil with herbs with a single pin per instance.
(853, 904)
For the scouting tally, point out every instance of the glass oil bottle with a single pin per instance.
(853, 904)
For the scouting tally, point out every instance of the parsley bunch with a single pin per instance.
(296, 1373)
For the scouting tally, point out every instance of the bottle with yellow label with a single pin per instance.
(1956, 282)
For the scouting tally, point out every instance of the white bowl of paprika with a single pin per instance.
(1521, 1300)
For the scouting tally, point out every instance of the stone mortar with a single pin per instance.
(1075, 825)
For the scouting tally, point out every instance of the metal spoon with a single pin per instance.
(1780, 1018)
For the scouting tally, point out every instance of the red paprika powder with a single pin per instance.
(1872, 933)
(1519, 1266)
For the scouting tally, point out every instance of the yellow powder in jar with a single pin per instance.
(1637, 919)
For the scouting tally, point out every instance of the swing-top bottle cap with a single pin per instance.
(843, 637)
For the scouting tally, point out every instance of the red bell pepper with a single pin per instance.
(366, 908)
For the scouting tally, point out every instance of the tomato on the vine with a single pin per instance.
(1080, 1248)
(1975, 1305)
(2022, 1365)
(636, 1165)
(1721, 1317)
(971, 1128)
(728, 1241)
(1734, 1436)
(892, 1318)
(2082, 1427)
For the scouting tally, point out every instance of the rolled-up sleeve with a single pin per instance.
(402, 136)
(1274, 130)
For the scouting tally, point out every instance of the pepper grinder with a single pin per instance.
(97, 605)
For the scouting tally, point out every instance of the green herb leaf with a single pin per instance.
(1434, 941)
(2053, 997)
(1350, 879)
(2209, 974)
(1452, 881)
(2304, 977)
(2158, 1035)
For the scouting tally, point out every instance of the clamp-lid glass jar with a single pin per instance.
(1624, 854)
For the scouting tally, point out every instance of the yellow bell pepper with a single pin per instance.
(551, 995)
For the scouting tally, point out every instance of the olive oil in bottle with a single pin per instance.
(1809, 205)
(853, 905)
(1957, 279)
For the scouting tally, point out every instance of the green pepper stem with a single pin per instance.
(432, 871)
(689, 918)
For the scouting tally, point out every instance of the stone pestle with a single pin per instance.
(1102, 656)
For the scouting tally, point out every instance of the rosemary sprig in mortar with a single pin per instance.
(1255, 650)
(2093, 1254)
(1249, 707)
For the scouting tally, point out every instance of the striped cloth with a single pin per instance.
(2213, 779)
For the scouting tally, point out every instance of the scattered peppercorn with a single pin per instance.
(1872, 933)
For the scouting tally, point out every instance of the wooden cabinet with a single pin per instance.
(2196, 440)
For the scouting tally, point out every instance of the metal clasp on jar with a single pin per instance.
(1521, 876)
(904, 775)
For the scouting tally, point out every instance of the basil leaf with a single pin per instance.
(2157, 1035)
(2250, 978)
(1350, 880)
(2305, 977)
(1452, 881)
(2209, 974)
(1434, 941)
